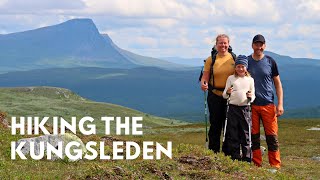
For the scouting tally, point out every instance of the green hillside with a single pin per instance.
(188, 162)
(190, 159)
(51, 101)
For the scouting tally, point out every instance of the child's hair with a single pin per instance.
(246, 73)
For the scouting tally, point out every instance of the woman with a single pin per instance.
(214, 80)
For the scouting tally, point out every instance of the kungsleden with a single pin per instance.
(73, 150)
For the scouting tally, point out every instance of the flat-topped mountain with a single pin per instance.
(74, 43)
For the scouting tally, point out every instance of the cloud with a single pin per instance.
(134, 8)
(162, 23)
(141, 42)
(22, 15)
(184, 11)
(247, 12)
(183, 27)
(309, 9)
(3, 2)
(36, 6)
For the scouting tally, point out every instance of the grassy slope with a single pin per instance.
(190, 159)
(189, 162)
(49, 101)
(298, 145)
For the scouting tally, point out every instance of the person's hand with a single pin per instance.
(229, 91)
(249, 95)
(204, 86)
(280, 110)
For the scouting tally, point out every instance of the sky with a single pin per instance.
(180, 28)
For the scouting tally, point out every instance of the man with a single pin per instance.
(214, 80)
(265, 73)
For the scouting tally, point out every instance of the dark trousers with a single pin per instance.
(217, 112)
(237, 133)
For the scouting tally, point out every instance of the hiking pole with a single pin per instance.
(250, 124)
(206, 115)
(226, 121)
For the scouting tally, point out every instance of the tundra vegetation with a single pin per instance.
(300, 150)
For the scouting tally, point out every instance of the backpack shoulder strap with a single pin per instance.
(214, 53)
(201, 72)
(234, 56)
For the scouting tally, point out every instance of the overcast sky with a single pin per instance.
(184, 28)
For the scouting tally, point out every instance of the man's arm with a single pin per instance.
(279, 92)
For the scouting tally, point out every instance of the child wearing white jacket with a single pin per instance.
(240, 92)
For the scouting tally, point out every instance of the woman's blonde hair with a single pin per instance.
(222, 36)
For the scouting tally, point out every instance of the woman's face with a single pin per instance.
(222, 44)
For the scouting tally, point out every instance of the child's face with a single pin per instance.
(241, 70)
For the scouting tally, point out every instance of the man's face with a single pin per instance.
(222, 44)
(258, 48)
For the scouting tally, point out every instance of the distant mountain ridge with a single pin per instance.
(78, 43)
(90, 64)
(74, 43)
(281, 59)
(165, 93)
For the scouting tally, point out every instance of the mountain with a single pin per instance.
(76, 56)
(74, 43)
(151, 90)
(281, 60)
(165, 93)
(287, 60)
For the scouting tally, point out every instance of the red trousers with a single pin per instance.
(267, 114)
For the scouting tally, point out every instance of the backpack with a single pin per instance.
(214, 53)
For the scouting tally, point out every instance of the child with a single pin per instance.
(239, 91)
